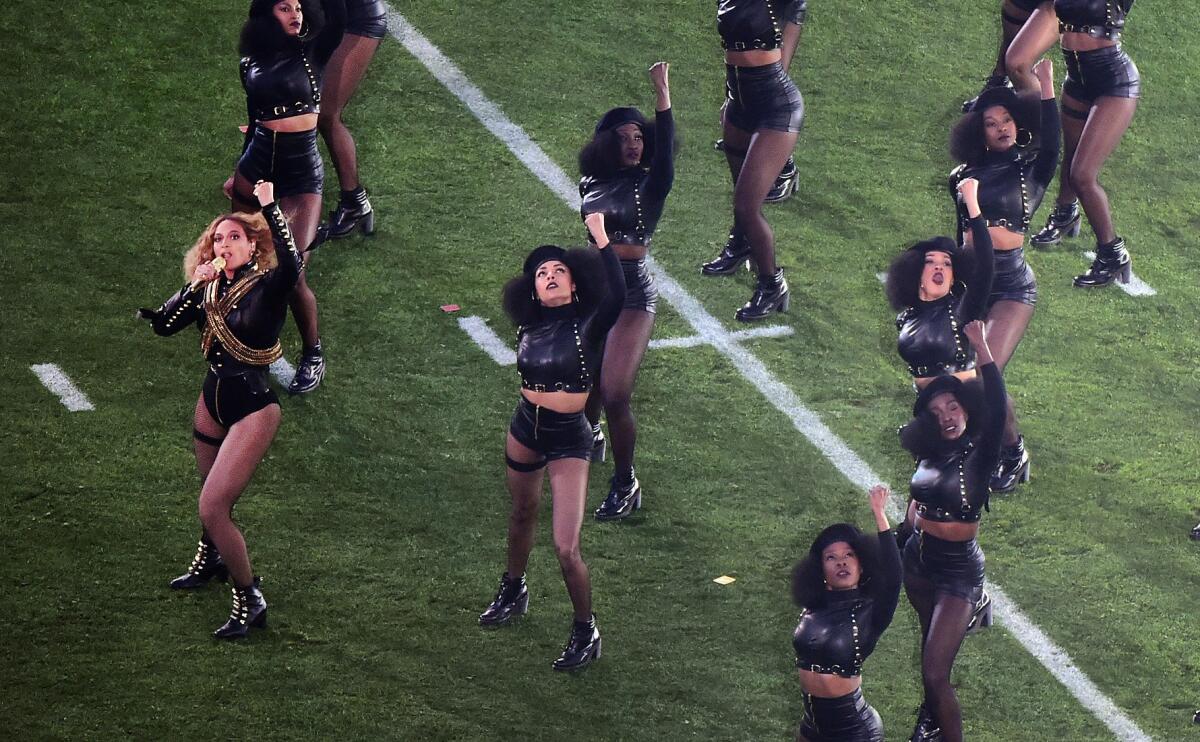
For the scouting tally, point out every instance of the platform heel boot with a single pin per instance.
(1064, 220)
(310, 370)
(353, 212)
(1112, 263)
(249, 610)
(599, 445)
(926, 729)
(785, 184)
(981, 617)
(1013, 468)
(205, 566)
(624, 497)
(583, 646)
(512, 599)
(735, 254)
(770, 295)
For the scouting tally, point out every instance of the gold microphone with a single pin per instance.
(218, 263)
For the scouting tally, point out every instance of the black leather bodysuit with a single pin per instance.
(564, 349)
(953, 486)
(632, 200)
(930, 338)
(1012, 183)
(288, 82)
(837, 637)
(1101, 19)
(257, 318)
(756, 24)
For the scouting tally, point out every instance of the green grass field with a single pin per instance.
(378, 519)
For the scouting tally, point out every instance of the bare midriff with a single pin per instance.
(828, 685)
(627, 251)
(292, 124)
(1073, 41)
(948, 530)
(753, 57)
(924, 381)
(563, 402)
(1003, 239)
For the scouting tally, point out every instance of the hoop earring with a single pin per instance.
(533, 296)
(1028, 137)
(575, 296)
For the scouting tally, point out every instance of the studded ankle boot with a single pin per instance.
(205, 566)
(981, 617)
(1013, 468)
(1064, 220)
(1112, 263)
(353, 211)
(583, 646)
(512, 599)
(624, 497)
(926, 729)
(785, 184)
(735, 253)
(599, 445)
(771, 295)
(249, 609)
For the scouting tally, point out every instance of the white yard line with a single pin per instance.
(283, 372)
(1135, 287)
(487, 339)
(775, 391)
(60, 385)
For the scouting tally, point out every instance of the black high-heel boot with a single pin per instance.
(599, 445)
(981, 617)
(735, 253)
(1112, 263)
(512, 599)
(353, 212)
(623, 498)
(310, 370)
(771, 295)
(785, 184)
(249, 609)
(205, 566)
(1013, 468)
(583, 646)
(1195, 534)
(1064, 220)
(926, 729)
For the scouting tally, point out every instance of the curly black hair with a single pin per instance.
(601, 157)
(519, 296)
(922, 436)
(262, 35)
(808, 576)
(904, 274)
(967, 143)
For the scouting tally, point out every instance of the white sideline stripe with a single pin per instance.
(283, 371)
(487, 339)
(1135, 287)
(778, 394)
(60, 385)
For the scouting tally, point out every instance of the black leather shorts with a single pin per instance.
(230, 398)
(366, 18)
(290, 160)
(954, 567)
(847, 718)
(1014, 279)
(555, 435)
(640, 291)
(762, 98)
(1105, 71)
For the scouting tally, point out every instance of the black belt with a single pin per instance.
(1096, 32)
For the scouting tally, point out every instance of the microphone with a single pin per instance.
(218, 263)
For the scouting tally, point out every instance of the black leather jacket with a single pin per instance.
(1101, 19)
(757, 24)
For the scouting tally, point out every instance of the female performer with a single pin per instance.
(849, 586)
(366, 24)
(1099, 97)
(762, 121)
(995, 144)
(628, 168)
(564, 304)
(955, 437)
(285, 47)
(242, 270)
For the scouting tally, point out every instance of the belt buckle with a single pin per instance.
(740, 46)
(279, 110)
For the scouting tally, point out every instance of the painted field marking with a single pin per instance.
(60, 385)
(777, 393)
(487, 339)
(283, 372)
(1135, 287)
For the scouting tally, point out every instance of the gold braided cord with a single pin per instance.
(217, 307)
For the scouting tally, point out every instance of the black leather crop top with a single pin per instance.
(953, 486)
(632, 200)
(1012, 183)
(757, 24)
(288, 82)
(257, 318)
(1101, 19)
(836, 637)
(930, 337)
(563, 350)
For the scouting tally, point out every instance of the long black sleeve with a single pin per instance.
(606, 314)
(1048, 151)
(986, 454)
(886, 590)
(662, 167)
(979, 286)
(243, 67)
(284, 276)
(182, 310)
